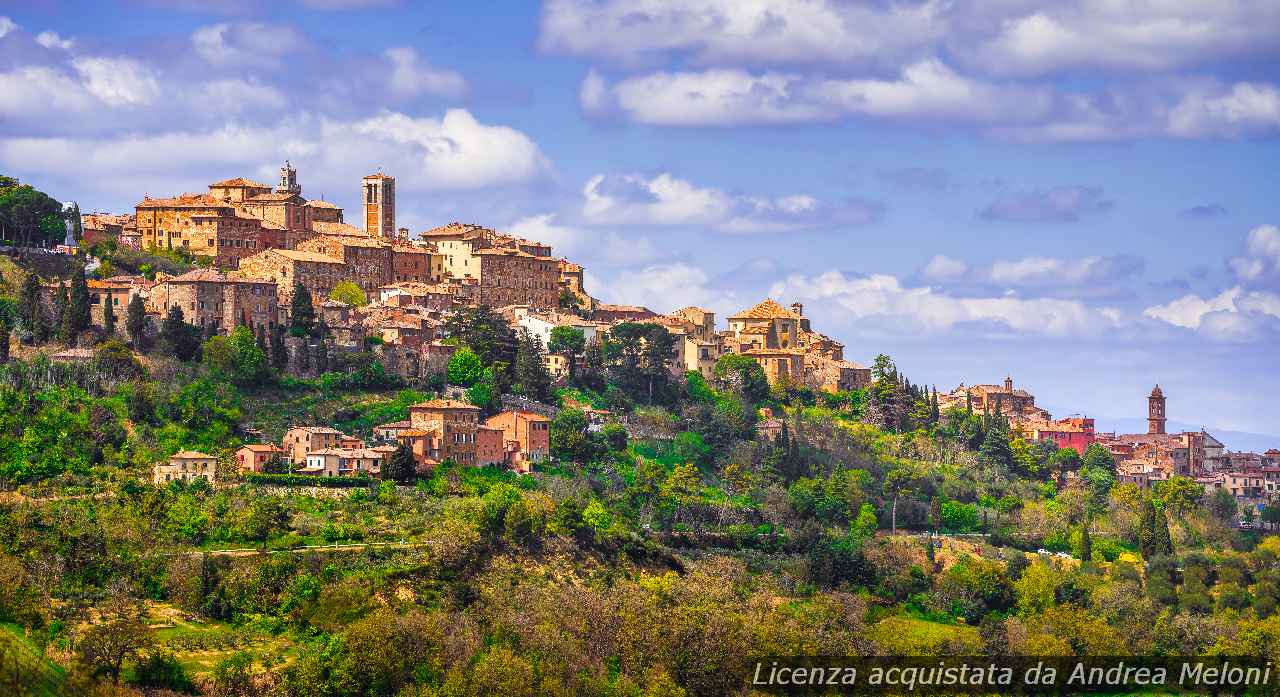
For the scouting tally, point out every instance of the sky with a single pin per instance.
(1079, 194)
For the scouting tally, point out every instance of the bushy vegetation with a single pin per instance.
(683, 527)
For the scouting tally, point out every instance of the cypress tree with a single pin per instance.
(4, 340)
(401, 466)
(108, 315)
(29, 305)
(304, 358)
(302, 314)
(260, 336)
(322, 356)
(60, 312)
(279, 356)
(1086, 544)
(78, 304)
(135, 323)
(1161, 542)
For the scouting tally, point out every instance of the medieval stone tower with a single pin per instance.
(380, 205)
(1155, 411)
(288, 180)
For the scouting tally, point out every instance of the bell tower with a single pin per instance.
(288, 180)
(1155, 411)
(379, 198)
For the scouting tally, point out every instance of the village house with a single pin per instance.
(317, 272)
(442, 429)
(301, 440)
(1076, 432)
(416, 263)
(571, 281)
(490, 447)
(390, 432)
(368, 261)
(342, 462)
(526, 435)
(433, 297)
(210, 297)
(510, 276)
(185, 466)
(1016, 404)
(98, 227)
(612, 314)
(254, 456)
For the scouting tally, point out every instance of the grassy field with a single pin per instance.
(908, 636)
(24, 671)
(199, 644)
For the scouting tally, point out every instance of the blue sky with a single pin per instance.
(1081, 194)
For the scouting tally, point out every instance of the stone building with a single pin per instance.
(118, 292)
(609, 314)
(571, 280)
(210, 297)
(442, 429)
(317, 272)
(416, 263)
(254, 456)
(368, 260)
(767, 325)
(437, 297)
(342, 462)
(512, 277)
(186, 466)
(1016, 404)
(527, 437)
(301, 440)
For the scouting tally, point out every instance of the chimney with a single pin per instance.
(798, 308)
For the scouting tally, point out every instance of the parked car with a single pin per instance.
(1043, 551)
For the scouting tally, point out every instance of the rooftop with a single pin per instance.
(191, 455)
(444, 404)
(766, 309)
(239, 182)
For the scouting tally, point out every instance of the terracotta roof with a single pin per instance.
(766, 309)
(329, 228)
(605, 307)
(506, 252)
(191, 455)
(411, 249)
(378, 175)
(197, 276)
(444, 404)
(260, 447)
(239, 181)
(569, 266)
(298, 255)
(187, 200)
(317, 203)
(273, 196)
(95, 283)
(395, 424)
(316, 429)
(455, 228)
(413, 433)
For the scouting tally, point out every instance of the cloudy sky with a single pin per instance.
(1081, 193)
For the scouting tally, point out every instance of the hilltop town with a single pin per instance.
(261, 243)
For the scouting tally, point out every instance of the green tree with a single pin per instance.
(60, 300)
(105, 647)
(349, 293)
(237, 358)
(465, 367)
(302, 314)
(1098, 470)
(531, 376)
(77, 318)
(1179, 495)
(484, 332)
(401, 466)
(1223, 506)
(743, 374)
(901, 480)
(177, 338)
(997, 450)
(569, 342)
(865, 525)
(569, 440)
(135, 323)
(279, 355)
(108, 315)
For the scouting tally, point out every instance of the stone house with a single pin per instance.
(300, 440)
(342, 462)
(252, 457)
(317, 272)
(449, 429)
(490, 446)
(527, 436)
(185, 466)
(209, 297)
(368, 261)
(416, 263)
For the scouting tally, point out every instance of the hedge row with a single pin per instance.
(309, 480)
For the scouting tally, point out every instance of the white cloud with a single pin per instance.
(51, 40)
(1001, 38)
(737, 31)
(246, 44)
(663, 199)
(1048, 271)
(453, 152)
(412, 77)
(6, 26)
(667, 287)
(1261, 260)
(943, 268)
(883, 298)
(587, 246)
(1062, 204)
(118, 81)
(1232, 315)
(1246, 108)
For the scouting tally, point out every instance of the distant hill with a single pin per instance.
(1234, 440)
